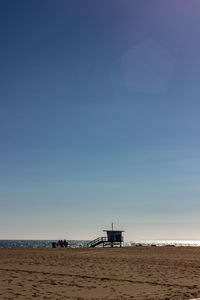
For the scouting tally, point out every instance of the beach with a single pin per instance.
(100, 273)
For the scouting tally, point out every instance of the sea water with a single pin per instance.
(39, 243)
(176, 243)
(83, 243)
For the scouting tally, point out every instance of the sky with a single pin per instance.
(99, 118)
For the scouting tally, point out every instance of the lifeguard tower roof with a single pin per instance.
(113, 230)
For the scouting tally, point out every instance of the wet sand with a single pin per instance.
(126, 273)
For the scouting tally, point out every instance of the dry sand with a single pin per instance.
(126, 273)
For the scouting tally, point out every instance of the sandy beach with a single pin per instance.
(118, 273)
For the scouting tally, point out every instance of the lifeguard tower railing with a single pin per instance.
(96, 242)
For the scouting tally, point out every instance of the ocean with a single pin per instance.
(159, 243)
(39, 243)
(83, 243)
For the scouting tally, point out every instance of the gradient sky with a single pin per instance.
(99, 118)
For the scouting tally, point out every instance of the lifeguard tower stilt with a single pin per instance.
(114, 238)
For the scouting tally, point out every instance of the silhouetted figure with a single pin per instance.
(60, 243)
(53, 245)
(65, 243)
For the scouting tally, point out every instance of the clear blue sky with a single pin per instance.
(99, 118)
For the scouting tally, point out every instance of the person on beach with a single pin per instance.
(60, 244)
(65, 243)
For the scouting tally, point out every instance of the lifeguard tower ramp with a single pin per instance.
(96, 242)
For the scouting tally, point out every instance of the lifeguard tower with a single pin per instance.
(114, 238)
